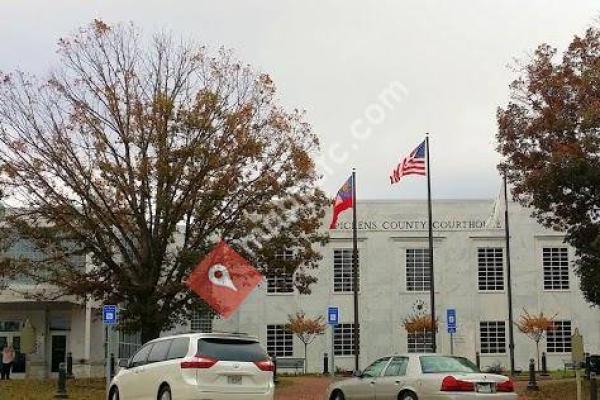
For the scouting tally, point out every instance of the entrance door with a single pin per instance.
(58, 351)
(19, 364)
(14, 340)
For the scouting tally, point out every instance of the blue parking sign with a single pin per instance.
(109, 315)
(333, 316)
(451, 320)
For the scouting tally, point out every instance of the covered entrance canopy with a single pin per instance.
(60, 327)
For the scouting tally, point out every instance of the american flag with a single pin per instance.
(414, 164)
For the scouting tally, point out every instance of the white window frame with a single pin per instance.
(343, 277)
(417, 269)
(202, 321)
(492, 337)
(419, 342)
(558, 340)
(280, 341)
(343, 339)
(283, 283)
(490, 269)
(555, 267)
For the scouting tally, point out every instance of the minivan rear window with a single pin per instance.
(231, 349)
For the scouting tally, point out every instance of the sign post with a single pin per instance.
(577, 356)
(333, 318)
(451, 325)
(109, 318)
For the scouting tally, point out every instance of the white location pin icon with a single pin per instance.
(219, 275)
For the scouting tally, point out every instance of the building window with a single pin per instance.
(490, 266)
(343, 278)
(343, 339)
(418, 277)
(283, 281)
(556, 268)
(202, 321)
(558, 340)
(420, 342)
(10, 325)
(280, 342)
(129, 343)
(492, 337)
(22, 249)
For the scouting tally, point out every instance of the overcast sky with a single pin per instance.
(372, 75)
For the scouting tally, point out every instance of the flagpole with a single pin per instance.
(511, 341)
(355, 279)
(431, 277)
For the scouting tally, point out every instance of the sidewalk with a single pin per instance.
(302, 388)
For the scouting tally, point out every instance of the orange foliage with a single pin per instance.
(306, 328)
(534, 326)
(420, 323)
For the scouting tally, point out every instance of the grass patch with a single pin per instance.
(558, 390)
(81, 389)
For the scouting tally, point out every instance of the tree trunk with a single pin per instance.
(150, 328)
(305, 359)
(537, 348)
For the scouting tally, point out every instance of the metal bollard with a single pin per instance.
(544, 364)
(61, 390)
(69, 365)
(477, 360)
(325, 364)
(593, 386)
(112, 365)
(532, 385)
(274, 360)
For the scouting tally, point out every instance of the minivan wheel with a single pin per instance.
(114, 393)
(164, 393)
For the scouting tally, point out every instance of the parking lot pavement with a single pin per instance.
(302, 388)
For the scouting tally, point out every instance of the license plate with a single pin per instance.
(234, 380)
(484, 388)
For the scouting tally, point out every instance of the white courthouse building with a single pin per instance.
(470, 276)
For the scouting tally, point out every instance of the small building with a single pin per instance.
(61, 327)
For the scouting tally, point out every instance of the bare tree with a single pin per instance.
(141, 155)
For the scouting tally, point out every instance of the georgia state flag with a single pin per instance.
(343, 201)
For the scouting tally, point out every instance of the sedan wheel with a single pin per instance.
(114, 394)
(165, 393)
(408, 396)
(338, 395)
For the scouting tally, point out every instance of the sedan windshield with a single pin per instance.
(440, 364)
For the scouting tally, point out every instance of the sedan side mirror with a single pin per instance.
(123, 363)
(357, 373)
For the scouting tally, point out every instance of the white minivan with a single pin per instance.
(197, 366)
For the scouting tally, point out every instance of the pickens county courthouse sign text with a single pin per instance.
(417, 225)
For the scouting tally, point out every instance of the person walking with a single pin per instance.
(8, 357)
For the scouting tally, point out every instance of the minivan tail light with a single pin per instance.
(451, 384)
(198, 362)
(506, 386)
(265, 365)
